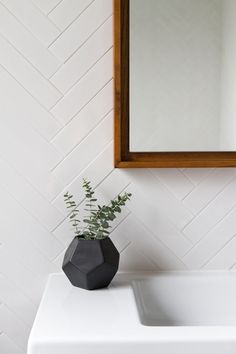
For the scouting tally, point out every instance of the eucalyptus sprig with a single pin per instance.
(97, 222)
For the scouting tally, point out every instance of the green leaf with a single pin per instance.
(87, 221)
(118, 209)
(111, 216)
(105, 225)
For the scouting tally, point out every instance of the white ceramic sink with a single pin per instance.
(164, 313)
(187, 299)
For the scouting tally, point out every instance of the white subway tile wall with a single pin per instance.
(56, 127)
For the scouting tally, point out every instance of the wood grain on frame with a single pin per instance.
(123, 157)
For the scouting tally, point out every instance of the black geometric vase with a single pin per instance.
(91, 264)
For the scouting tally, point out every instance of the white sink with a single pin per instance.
(164, 313)
(187, 299)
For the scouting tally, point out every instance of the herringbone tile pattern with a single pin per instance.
(56, 127)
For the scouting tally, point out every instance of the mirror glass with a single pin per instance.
(182, 75)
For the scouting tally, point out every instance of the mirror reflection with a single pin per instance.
(182, 75)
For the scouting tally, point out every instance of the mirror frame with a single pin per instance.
(123, 157)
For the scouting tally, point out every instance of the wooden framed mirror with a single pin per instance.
(175, 83)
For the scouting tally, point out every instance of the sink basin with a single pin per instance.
(187, 299)
(164, 313)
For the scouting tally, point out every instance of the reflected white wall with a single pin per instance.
(175, 75)
(228, 95)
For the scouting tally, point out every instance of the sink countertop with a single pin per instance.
(68, 316)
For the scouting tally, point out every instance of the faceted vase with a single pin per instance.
(91, 264)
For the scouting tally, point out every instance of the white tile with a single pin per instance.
(27, 76)
(162, 201)
(134, 260)
(19, 227)
(14, 328)
(212, 243)
(197, 175)
(81, 29)
(67, 11)
(85, 89)
(33, 19)
(27, 281)
(64, 232)
(26, 253)
(225, 258)
(132, 230)
(157, 222)
(25, 107)
(28, 197)
(174, 180)
(77, 66)
(27, 44)
(113, 185)
(46, 5)
(212, 214)
(27, 146)
(17, 301)
(59, 260)
(22, 159)
(85, 121)
(208, 189)
(8, 347)
(84, 153)
(96, 171)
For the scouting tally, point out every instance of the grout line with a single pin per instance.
(91, 34)
(81, 45)
(45, 15)
(216, 224)
(64, 30)
(32, 186)
(47, 109)
(221, 248)
(172, 222)
(123, 218)
(183, 199)
(62, 252)
(205, 235)
(54, 8)
(78, 49)
(126, 246)
(75, 147)
(203, 179)
(72, 87)
(86, 135)
(187, 177)
(232, 266)
(208, 204)
(78, 113)
(96, 186)
(19, 290)
(26, 28)
(36, 220)
(39, 72)
(26, 59)
(155, 237)
(85, 73)
(27, 325)
(47, 140)
(76, 18)
(168, 189)
(14, 343)
(82, 200)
